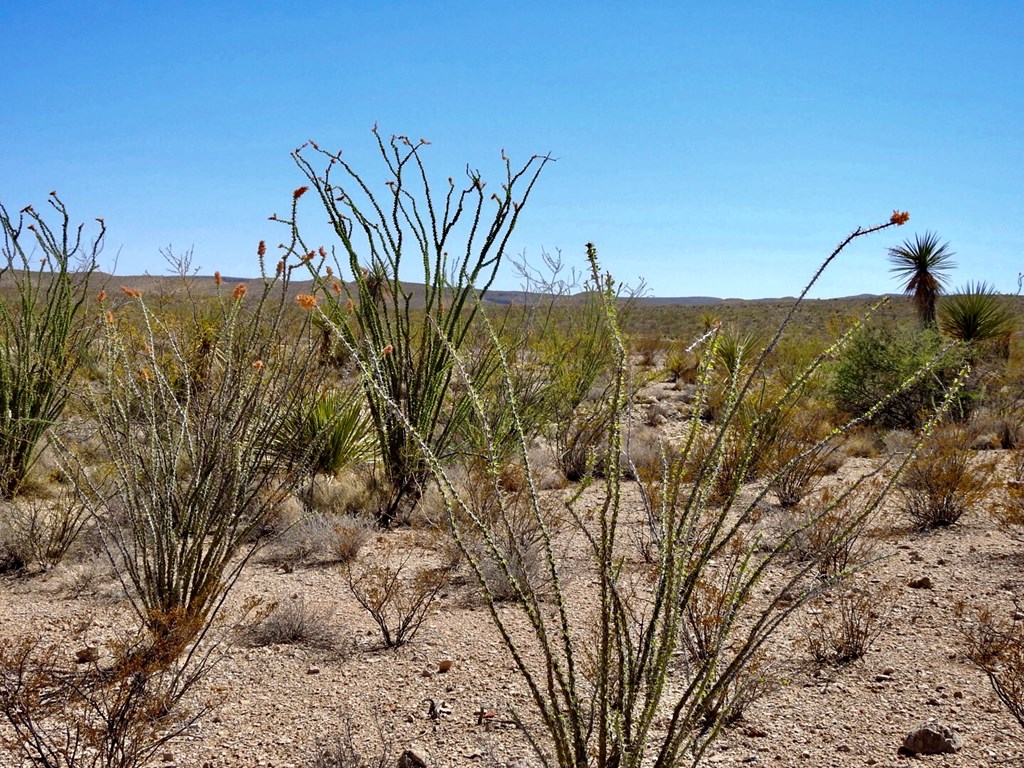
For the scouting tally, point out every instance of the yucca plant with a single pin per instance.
(922, 265)
(44, 275)
(975, 314)
(406, 353)
(331, 434)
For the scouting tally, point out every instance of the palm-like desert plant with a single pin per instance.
(975, 313)
(922, 266)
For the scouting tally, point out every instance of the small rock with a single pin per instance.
(931, 739)
(922, 583)
(167, 757)
(883, 678)
(88, 654)
(313, 671)
(414, 757)
(755, 732)
(445, 665)
(843, 748)
(888, 670)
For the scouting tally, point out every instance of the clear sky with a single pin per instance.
(711, 148)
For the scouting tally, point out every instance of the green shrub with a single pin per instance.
(878, 370)
(331, 433)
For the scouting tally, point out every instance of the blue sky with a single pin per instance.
(712, 149)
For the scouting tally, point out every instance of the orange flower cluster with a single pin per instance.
(261, 249)
(101, 296)
(131, 293)
(899, 218)
(387, 350)
(306, 300)
(258, 365)
(240, 290)
(110, 318)
(299, 192)
(216, 278)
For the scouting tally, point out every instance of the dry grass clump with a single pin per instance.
(36, 533)
(294, 622)
(1009, 509)
(944, 480)
(320, 539)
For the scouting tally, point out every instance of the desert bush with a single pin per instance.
(193, 465)
(647, 348)
(879, 366)
(294, 622)
(341, 750)
(34, 531)
(119, 715)
(944, 480)
(799, 456)
(681, 364)
(395, 592)
(996, 647)
(600, 686)
(407, 354)
(841, 627)
(44, 328)
(818, 531)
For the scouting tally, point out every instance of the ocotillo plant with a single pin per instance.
(454, 241)
(599, 677)
(44, 275)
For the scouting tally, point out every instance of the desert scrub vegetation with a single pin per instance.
(598, 677)
(883, 369)
(406, 357)
(45, 326)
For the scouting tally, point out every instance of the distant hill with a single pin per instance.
(205, 286)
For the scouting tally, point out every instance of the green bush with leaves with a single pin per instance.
(405, 343)
(977, 314)
(44, 329)
(332, 433)
(882, 363)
